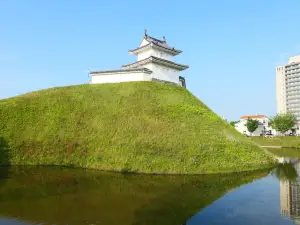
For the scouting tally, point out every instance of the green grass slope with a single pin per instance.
(139, 127)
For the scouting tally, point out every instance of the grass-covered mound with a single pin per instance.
(140, 127)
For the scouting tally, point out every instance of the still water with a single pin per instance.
(61, 196)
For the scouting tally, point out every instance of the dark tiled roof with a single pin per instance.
(152, 39)
(173, 51)
(160, 43)
(156, 60)
(145, 70)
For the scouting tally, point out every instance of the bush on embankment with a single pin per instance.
(138, 127)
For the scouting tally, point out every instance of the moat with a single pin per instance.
(56, 195)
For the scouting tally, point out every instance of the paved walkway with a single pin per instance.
(271, 146)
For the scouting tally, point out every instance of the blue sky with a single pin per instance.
(232, 46)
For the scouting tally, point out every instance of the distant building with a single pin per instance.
(288, 87)
(264, 125)
(154, 63)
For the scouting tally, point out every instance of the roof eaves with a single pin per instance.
(168, 49)
(172, 49)
(170, 62)
(155, 59)
(139, 48)
(102, 72)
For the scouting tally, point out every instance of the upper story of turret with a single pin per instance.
(154, 47)
(155, 51)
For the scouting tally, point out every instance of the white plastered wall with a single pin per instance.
(153, 52)
(117, 78)
(163, 73)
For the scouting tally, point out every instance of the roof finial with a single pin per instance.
(145, 32)
(164, 39)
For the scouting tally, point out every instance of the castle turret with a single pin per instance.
(154, 63)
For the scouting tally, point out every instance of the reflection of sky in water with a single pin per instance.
(12, 222)
(256, 203)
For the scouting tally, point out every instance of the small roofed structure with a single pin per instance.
(154, 63)
(253, 117)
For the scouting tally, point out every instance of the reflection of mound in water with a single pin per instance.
(4, 160)
(4, 152)
(73, 196)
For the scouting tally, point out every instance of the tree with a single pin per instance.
(283, 122)
(232, 123)
(251, 125)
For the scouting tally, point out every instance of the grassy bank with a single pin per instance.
(285, 152)
(138, 127)
(284, 141)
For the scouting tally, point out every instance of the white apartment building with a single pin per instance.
(288, 87)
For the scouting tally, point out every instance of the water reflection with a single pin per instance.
(286, 170)
(72, 196)
(289, 174)
(275, 200)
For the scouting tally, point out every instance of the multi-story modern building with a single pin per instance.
(288, 87)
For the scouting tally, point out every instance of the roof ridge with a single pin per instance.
(154, 39)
